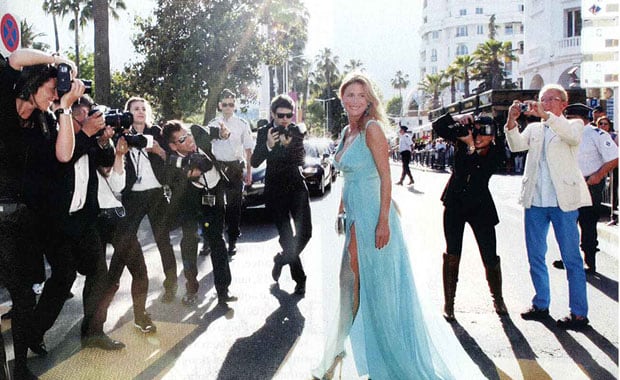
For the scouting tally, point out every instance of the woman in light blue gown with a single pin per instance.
(379, 308)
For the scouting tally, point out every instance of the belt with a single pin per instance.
(8, 208)
(114, 212)
(236, 162)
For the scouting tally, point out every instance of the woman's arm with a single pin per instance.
(378, 145)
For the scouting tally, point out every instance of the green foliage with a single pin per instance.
(394, 106)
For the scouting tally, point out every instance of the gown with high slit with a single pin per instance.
(389, 336)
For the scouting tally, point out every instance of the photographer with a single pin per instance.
(467, 199)
(198, 196)
(286, 195)
(29, 130)
(146, 193)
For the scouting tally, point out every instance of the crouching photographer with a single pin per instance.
(197, 186)
(467, 199)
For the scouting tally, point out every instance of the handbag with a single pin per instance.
(341, 224)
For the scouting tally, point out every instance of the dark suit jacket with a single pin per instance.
(157, 163)
(283, 163)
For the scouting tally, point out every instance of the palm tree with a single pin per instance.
(490, 62)
(353, 65)
(400, 82)
(454, 74)
(102, 51)
(326, 64)
(53, 7)
(465, 64)
(432, 85)
(28, 35)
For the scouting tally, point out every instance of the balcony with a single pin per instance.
(568, 46)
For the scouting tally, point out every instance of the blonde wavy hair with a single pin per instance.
(376, 111)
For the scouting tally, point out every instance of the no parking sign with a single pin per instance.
(9, 33)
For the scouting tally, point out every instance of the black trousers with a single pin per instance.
(292, 205)
(588, 217)
(212, 223)
(139, 204)
(234, 191)
(67, 255)
(405, 157)
(454, 219)
(132, 259)
(21, 265)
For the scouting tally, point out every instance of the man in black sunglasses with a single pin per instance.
(286, 196)
(234, 153)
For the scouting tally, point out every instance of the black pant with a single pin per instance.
(139, 204)
(213, 229)
(454, 219)
(68, 254)
(405, 156)
(588, 217)
(132, 259)
(293, 205)
(234, 191)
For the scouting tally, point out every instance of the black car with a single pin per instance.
(253, 195)
(318, 168)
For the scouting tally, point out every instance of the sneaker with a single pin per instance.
(277, 267)
(558, 264)
(145, 324)
(189, 299)
(535, 314)
(232, 248)
(572, 322)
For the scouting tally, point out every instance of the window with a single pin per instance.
(423, 56)
(479, 11)
(508, 30)
(434, 55)
(435, 34)
(508, 68)
(480, 29)
(461, 31)
(573, 22)
(463, 12)
(461, 50)
(434, 70)
(521, 8)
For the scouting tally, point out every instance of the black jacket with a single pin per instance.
(283, 163)
(157, 163)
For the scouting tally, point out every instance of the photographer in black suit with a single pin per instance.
(467, 199)
(286, 194)
(198, 196)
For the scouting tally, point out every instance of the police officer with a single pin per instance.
(234, 154)
(597, 156)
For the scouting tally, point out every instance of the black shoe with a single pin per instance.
(300, 288)
(103, 342)
(23, 373)
(38, 348)
(535, 314)
(226, 298)
(590, 270)
(232, 248)
(145, 324)
(7, 315)
(205, 251)
(572, 322)
(277, 267)
(169, 295)
(558, 264)
(189, 299)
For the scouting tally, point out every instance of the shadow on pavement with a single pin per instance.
(486, 365)
(259, 355)
(526, 357)
(605, 285)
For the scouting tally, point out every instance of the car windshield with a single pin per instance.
(311, 150)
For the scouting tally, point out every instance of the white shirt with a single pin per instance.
(596, 148)
(404, 142)
(240, 139)
(146, 179)
(109, 188)
(81, 184)
(544, 192)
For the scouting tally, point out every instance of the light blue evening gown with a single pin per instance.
(389, 337)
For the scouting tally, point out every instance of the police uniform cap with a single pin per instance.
(484, 120)
(578, 109)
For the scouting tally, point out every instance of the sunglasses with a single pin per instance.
(182, 139)
(284, 115)
(228, 104)
(603, 123)
(484, 130)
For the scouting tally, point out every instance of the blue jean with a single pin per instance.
(537, 220)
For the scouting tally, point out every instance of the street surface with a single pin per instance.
(270, 333)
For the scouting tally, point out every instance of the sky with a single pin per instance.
(382, 34)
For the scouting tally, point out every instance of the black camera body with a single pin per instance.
(63, 84)
(120, 122)
(198, 161)
(449, 129)
(289, 131)
(525, 107)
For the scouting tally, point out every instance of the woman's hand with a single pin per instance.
(382, 234)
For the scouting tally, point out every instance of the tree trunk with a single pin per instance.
(211, 105)
(102, 51)
(56, 33)
(77, 40)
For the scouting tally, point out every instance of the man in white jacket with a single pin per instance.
(553, 189)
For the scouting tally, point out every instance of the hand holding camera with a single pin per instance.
(69, 89)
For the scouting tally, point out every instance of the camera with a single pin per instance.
(115, 118)
(290, 131)
(446, 127)
(197, 161)
(64, 80)
(525, 107)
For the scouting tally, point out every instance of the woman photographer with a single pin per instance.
(467, 199)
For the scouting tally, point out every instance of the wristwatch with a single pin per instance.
(64, 111)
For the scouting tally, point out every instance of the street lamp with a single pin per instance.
(326, 102)
(285, 73)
